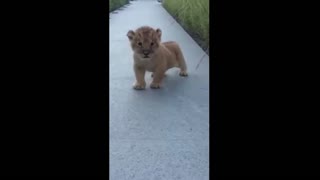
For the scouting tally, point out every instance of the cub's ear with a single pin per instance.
(130, 35)
(158, 31)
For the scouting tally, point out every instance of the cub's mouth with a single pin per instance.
(146, 54)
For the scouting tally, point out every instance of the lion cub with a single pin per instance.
(153, 56)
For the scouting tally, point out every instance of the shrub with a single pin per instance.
(193, 15)
(115, 4)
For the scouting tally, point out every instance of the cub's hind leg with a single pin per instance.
(181, 63)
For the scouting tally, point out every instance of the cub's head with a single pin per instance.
(145, 41)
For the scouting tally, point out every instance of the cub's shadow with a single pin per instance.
(173, 90)
(172, 84)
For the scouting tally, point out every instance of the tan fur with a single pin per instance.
(153, 56)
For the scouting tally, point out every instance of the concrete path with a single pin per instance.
(157, 134)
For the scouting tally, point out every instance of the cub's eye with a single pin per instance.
(140, 44)
(151, 44)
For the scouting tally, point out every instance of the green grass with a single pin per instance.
(115, 4)
(193, 15)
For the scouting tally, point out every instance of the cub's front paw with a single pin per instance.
(155, 85)
(183, 73)
(139, 86)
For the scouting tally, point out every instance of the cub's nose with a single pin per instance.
(145, 52)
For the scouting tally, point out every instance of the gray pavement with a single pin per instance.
(157, 134)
